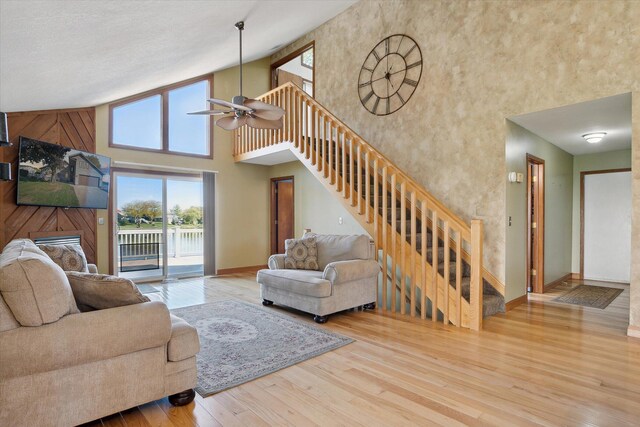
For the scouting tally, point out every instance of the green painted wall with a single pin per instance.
(558, 209)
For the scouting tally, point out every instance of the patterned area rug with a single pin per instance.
(241, 342)
(590, 296)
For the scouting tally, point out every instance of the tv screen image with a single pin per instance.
(53, 175)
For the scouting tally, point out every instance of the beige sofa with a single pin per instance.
(61, 367)
(347, 278)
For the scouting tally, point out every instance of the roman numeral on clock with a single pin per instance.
(365, 84)
(415, 64)
(375, 105)
(410, 82)
(376, 55)
(367, 97)
(410, 50)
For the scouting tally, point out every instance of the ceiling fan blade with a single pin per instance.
(211, 112)
(228, 104)
(268, 114)
(231, 122)
(264, 110)
(259, 123)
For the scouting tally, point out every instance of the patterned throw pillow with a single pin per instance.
(68, 257)
(301, 254)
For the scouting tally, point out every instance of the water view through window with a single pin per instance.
(159, 226)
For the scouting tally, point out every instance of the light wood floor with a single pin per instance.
(543, 363)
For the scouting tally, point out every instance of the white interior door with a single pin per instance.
(607, 226)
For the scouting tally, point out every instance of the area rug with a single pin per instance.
(240, 342)
(147, 289)
(590, 296)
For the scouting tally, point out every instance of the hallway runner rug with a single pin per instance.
(590, 296)
(240, 342)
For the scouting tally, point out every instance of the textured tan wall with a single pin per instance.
(558, 182)
(484, 61)
(242, 224)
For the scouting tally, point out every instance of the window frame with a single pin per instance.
(164, 96)
(291, 56)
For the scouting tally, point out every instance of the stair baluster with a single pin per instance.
(416, 244)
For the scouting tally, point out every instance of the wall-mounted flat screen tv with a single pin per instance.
(53, 175)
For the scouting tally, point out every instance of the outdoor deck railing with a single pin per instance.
(180, 241)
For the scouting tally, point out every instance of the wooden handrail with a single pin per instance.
(342, 160)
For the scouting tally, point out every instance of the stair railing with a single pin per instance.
(372, 187)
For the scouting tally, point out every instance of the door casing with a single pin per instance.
(535, 225)
(273, 209)
(582, 175)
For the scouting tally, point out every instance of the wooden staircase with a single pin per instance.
(398, 213)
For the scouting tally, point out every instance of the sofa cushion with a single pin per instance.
(18, 246)
(34, 287)
(7, 320)
(302, 282)
(301, 254)
(100, 291)
(340, 248)
(184, 342)
(68, 257)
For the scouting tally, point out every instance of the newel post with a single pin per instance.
(475, 300)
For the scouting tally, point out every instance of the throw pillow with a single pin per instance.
(34, 288)
(301, 254)
(69, 257)
(100, 291)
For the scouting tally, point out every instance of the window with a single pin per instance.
(307, 58)
(158, 121)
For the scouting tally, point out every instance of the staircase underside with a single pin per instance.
(285, 152)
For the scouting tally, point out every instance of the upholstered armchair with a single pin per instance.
(345, 276)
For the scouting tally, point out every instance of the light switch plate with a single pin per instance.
(100, 221)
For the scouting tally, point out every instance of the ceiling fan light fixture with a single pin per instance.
(242, 110)
(594, 137)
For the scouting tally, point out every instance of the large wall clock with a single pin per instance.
(390, 74)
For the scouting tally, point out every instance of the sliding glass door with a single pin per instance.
(185, 227)
(158, 229)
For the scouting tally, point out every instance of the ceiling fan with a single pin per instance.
(245, 111)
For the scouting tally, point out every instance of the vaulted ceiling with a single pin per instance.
(78, 53)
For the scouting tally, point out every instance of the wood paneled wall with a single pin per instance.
(70, 128)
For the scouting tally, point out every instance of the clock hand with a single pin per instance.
(390, 74)
(387, 75)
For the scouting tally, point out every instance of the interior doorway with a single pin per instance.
(298, 68)
(605, 225)
(535, 224)
(282, 212)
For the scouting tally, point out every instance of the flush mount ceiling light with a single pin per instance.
(245, 111)
(594, 137)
